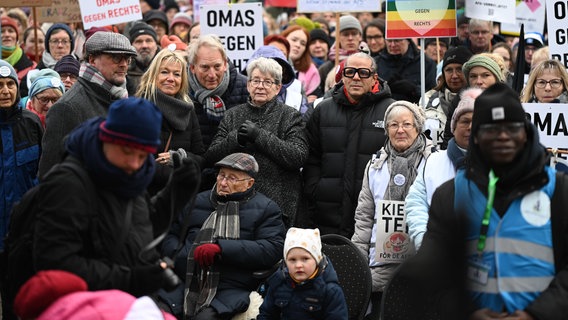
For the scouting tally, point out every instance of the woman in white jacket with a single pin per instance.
(439, 168)
(380, 230)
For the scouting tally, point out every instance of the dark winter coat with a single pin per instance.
(20, 132)
(259, 248)
(280, 149)
(318, 298)
(83, 101)
(341, 137)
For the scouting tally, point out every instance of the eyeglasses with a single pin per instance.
(554, 83)
(59, 41)
(377, 37)
(232, 180)
(494, 129)
(480, 32)
(46, 100)
(64, 76)
(117, 58)
(405, 126)
(265, 83)
(364, 73)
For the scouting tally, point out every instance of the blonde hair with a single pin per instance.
(537, 71)
(539, 56)
(147, 88)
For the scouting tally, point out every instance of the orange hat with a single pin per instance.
(172, 43)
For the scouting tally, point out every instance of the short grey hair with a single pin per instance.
(208, 40)
(266, 66)
(364, 56)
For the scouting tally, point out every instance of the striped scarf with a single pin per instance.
(91, 74)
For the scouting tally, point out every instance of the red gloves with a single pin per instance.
(205, 254)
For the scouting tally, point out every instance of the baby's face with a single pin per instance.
(301, 265)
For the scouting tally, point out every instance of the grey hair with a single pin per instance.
(266, 66)
(398, 106)
(364, 56)
(208, 40)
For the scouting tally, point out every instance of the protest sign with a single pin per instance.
(26, 3)
(66, 11)
(239, 26)
(393, 243)
(492, 10)
(531, 14)
(426, 19)
(556, 15)
(339, 6)
(98, 13)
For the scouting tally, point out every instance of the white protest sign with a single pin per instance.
(98, 13)
(393, 243)
(491, 10)
(339, 5)
(197, 4)
(239, 26)
(550, 122)
(531, 14)
(60, 11)
(556, 15)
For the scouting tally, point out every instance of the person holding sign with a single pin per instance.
(513, 206)
(380, 221)
(546, 84)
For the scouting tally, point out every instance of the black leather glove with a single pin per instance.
(147, 279)
(249, 131)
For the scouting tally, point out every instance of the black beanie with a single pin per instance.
(459, 54)
(316, 34)
(140, 28)
(498, 103)
(157, 15)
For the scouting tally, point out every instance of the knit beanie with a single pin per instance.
(349, 22)
(417, 111)
(55, 27)
(68, 64)
(172, 43)
(307, 239)
(467, 99)
(44, 288)
(134, 122)
(45, 79)
(9, 22)
(485, 62)
(305, 23)
(157, 15)
(498, 103)
(7, 71)
(240, 161)
(181, 17)
(140, 28)
(459, 55)
(319, 34)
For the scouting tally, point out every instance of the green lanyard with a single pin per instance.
(487, 214)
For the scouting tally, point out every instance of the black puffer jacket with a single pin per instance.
(342, 137)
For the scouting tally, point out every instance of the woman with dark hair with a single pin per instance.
(29, 43)
(374, 36)
(306, 70)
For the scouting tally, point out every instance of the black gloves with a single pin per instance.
(147, 279)
(248, 131)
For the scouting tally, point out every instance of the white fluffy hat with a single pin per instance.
(308, 239)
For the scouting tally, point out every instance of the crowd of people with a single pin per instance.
(199, 174)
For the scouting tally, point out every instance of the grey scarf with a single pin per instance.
(402, 166)
(176, 112)
(211, 99)
(48, 60)
(201, 285)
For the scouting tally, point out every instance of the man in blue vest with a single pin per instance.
(516, 229)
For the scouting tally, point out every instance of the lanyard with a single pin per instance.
(487, 214)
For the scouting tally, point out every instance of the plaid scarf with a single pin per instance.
(211, 99)
(201, 284)
(91, 74)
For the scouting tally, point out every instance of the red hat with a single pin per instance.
(339, 71)
(44, 288)
(9, 22)
(172, 43)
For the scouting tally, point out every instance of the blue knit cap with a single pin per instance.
(133, 122)
(46, 79)
(58, 26)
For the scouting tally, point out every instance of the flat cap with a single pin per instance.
(109, 42)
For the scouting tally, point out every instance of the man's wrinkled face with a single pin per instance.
(357, 86)
(113, 71)
(231, 181)
(146, 48)
(209, 67)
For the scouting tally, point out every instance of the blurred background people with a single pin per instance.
(374, 35)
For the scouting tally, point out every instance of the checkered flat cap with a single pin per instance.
(240, 161)
(109, 42)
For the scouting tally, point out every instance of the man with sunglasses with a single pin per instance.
(102, 80)
(513, 207)
(343, 132)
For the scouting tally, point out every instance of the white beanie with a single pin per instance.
(307, 239)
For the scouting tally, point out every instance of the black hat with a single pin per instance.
(317, 33)
(498, 103)
(443, 42)
(459, 54)
(139, 28)
(157, 15)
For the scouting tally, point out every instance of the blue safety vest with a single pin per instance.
(518, 255)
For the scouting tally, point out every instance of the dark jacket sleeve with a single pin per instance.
(312, 168)
(59, 122)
